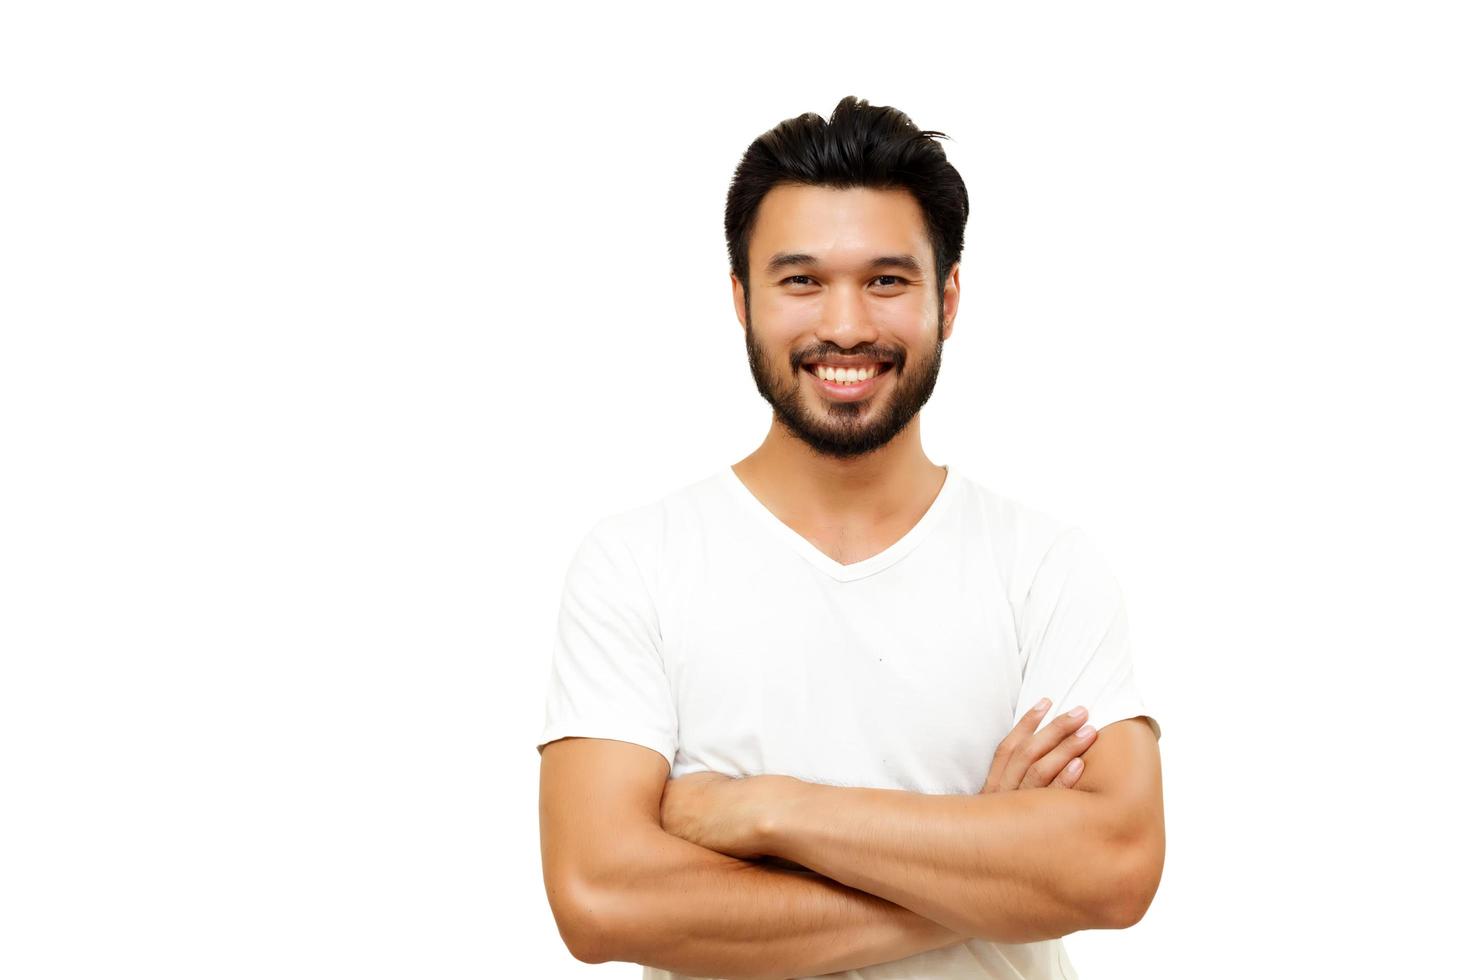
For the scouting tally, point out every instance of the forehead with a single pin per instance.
(838, 228)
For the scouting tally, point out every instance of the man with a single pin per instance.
(796, 720)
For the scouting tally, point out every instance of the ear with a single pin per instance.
(738, 294)
(951, 300)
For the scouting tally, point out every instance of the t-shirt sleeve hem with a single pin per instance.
(621, 733)
(1101, 720)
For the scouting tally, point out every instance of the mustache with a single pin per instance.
(896, 358)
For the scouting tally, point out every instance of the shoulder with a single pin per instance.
(1038, 555)
(1018, 535)
(640, 537)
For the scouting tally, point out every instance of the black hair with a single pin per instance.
(861, 145)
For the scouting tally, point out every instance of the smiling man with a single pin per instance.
(836, 706)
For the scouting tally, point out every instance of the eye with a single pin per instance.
(792, 278)
(896, 280)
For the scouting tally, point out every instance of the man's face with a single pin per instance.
(837, 306)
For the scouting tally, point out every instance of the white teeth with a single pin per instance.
(845, 375)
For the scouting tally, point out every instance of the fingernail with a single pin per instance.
(1074, 765)
(1077, 712)
(1085, 731)
(1041, 705)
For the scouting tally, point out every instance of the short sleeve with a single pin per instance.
(607, 674)
(1073, 632)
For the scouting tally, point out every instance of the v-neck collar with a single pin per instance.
(868, 566)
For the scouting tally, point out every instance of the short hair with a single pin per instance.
(861, 145)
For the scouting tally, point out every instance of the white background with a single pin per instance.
(330, 328)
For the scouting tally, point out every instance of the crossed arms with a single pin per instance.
(664, 872)
(1010, 867)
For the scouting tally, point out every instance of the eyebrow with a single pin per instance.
(906, 262)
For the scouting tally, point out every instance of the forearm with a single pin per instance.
(688, 909)
(1018, 866)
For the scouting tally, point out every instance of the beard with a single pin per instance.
(843, 430)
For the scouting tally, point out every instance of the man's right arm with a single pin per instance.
(621, 888)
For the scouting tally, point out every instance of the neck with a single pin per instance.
(795, 479)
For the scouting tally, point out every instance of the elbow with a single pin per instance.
(1137, 881)
(580, 921)
(587, 945)
(597, 928)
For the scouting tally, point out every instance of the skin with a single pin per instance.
(851, 477)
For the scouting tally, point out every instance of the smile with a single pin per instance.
(846, 390)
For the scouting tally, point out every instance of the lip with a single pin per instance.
(848, 393)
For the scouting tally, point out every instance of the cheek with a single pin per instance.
(778, 343)
(786, 322)
(906, 316)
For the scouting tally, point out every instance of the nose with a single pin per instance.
(845, 321)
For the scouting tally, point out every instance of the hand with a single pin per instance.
(715, 811)
(1027, 758)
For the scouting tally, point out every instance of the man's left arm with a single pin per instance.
(1017, 866)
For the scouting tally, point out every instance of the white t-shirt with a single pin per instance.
(703, 627)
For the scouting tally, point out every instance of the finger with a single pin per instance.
(1070, 774)
(1038, 745)
(1016, 738)
(1045, 769)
